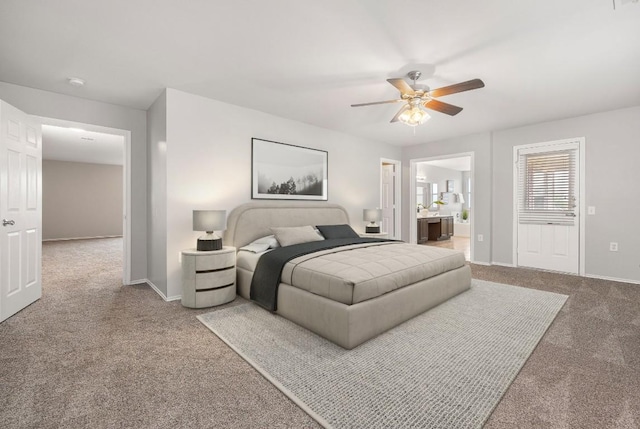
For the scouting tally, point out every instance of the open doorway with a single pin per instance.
(86, 184)
(442, 194)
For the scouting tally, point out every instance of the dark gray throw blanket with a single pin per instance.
(266, 278)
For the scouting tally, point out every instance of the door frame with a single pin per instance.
(126, 183)
(397, 193)
(413, 215)
(581, 196)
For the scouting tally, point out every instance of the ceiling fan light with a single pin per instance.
(414, 116)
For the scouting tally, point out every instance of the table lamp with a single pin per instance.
(209, 221)
(372, 215)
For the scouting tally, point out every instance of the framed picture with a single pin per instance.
(449, 185)
(286, 172)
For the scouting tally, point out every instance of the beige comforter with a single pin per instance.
(356, 273)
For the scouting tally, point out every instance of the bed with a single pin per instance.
(352, 293)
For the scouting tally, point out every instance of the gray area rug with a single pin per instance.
(447, 368)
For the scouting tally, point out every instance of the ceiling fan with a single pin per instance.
(418, 98)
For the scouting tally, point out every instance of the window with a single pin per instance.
(546, 192)
(434, 194)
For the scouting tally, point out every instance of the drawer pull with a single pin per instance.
(214, 288)
(214, 271)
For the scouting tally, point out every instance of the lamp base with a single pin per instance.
(372, 229)
(207, 245)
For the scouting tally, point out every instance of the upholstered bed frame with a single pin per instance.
(345, 325)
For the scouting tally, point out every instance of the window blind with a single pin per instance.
(547, 188)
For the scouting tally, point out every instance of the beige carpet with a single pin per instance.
(92, 353)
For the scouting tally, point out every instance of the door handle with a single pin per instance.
(8, 222)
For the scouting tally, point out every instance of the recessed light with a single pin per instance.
(76, 81)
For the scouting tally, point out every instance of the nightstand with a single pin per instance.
(374, 235)
(208, 278)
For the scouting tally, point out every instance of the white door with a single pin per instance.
(20, 210)
(548, 187)
(388, 224)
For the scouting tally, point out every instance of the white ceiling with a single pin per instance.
(309, 60)
(78, 145)
(462, 163)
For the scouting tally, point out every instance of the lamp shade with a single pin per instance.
(461, 198)
(372, 215)
(209, 220)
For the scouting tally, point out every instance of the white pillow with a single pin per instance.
(255, 247)
(269, 239)
(288, 236)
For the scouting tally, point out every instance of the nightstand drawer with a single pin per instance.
(215, 279)
(215, 297)
(208, 278)
(216, 262)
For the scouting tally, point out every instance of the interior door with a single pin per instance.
(548, 214)
(20, 210)
(388, 224)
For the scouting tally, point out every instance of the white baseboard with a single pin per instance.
(486, 264)
(159, 292)
(82, 238)
(502, 264)
(613, 279)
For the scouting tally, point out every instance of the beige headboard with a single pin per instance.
(252, 220)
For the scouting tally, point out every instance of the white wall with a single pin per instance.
(209, 164)
(81, 200)
(612, 157)
(58, 106)
(612, 141)
(157, 194)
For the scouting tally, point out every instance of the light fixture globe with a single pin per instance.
(76, 81)
(416, 114)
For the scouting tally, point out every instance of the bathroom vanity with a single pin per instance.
(435, 228)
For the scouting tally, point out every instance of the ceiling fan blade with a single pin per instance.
(441, 107)
(376, 102)
(402, 86)
(395, 118)
(458, 87)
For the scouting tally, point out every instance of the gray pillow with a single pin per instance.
(337, 231)
(288, 236)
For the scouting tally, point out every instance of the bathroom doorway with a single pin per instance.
(442, 193)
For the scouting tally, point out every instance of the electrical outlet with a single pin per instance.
(613, 246)
(591, 210)
(480, 237)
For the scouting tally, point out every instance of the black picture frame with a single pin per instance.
(281, 171)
